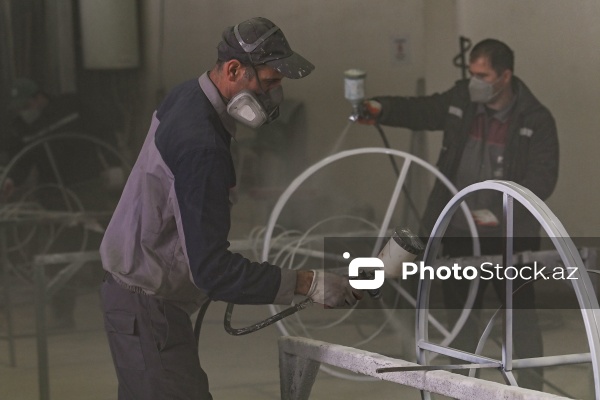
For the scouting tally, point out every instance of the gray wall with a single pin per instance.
(554, 42)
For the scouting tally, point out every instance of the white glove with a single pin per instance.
(331, 290)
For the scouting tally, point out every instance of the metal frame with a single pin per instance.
(43, 292)
(300, 359)
(569, 255)
(75, 214)
(409, 159)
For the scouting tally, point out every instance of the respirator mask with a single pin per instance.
(481, 91)
(249, 108)
(254, 110)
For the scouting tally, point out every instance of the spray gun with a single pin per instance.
(403, 246)
(354, 91)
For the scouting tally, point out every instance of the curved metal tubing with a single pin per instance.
(43, 141)
(566, 249)
(409, 159)
(71, 202)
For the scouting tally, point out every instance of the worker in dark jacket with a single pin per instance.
(529, 148)
(494, 128)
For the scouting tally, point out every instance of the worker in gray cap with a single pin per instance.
(166, 248)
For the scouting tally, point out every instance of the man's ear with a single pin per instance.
(507, 75)
(233, 70)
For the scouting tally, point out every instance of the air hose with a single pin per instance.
(249, 329)
(264, 323)
(199, 319)
(403, 246)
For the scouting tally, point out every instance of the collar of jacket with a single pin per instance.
(212, 93)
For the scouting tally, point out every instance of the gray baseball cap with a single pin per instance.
(260, 41)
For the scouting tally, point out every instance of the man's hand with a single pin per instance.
(485, 218)
(332, 290)
(369, 113)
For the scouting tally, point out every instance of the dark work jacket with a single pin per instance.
(531, 156)
(168, 236)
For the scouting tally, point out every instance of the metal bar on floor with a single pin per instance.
(42, 293)
(12, 358)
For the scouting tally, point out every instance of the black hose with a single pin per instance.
(199, 319)
(264, 323)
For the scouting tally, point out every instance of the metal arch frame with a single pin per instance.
(570, 256)
(71, 202)
(43, 141)
(408, 160)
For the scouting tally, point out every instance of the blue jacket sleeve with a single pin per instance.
(203, 178)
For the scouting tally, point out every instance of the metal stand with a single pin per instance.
(43, 290)
(43, 293)
(12, 359)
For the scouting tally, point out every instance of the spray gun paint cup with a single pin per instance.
(403, 246)
(354, 90)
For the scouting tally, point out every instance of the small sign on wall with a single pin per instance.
(400, 50)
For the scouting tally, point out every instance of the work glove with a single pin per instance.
(332, 290)
(369, 112)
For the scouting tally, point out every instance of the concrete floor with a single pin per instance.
(81, 367)
(246, 367)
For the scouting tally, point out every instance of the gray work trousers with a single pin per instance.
(153, 347)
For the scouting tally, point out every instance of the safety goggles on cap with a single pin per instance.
(260, 41)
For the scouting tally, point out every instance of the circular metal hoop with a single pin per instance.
(569, 255)
(67, 199)
(409, 159)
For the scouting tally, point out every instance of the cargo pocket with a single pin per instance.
(124, 341)
(175, 339)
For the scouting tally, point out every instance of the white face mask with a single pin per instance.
(481, 91)
(253, 109)
(30, 115)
